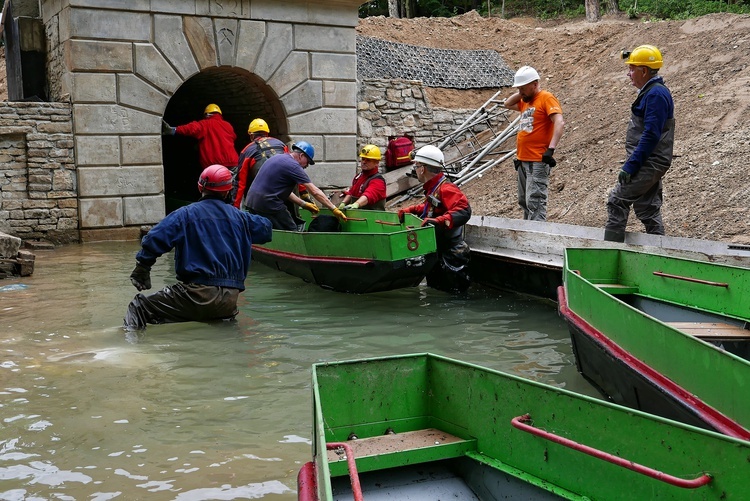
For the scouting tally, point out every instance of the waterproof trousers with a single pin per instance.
(533, 183)
(644, 194)
(182, 303)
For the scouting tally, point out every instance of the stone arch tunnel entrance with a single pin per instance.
(241, 96)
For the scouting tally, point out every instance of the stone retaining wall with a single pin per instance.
(388, 108)
(38, 193)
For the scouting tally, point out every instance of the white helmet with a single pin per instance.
(430, 155)
(525, 75)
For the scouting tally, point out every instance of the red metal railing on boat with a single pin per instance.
(520, 423)
(353, 475)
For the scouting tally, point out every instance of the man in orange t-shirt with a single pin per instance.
(539, 131)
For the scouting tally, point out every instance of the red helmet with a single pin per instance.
(215, 178)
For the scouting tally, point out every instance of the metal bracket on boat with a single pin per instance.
(414, 262)
(520, 422)
(352, 465)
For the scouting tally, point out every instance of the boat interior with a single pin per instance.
(458, 478)
(727, 333)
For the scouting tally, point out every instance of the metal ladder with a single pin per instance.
(475, 146)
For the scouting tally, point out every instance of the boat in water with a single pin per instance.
(371, 252)
(662, 334)
(426, 427)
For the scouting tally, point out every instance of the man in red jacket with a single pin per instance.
(447, 209)
(215, 137)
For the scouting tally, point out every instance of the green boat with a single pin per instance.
(373, 252)
(661, 334)
(425, 427)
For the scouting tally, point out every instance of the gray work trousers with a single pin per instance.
(533, 183)
(644, 194)
(182, 303)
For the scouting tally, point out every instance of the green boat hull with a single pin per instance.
(373, 252)
(416, 424)
(633, 319)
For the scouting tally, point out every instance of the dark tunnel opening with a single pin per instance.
(241, 96)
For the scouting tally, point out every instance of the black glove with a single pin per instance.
(623, 177)
(141, 277)
(166, 129)
(547, 157)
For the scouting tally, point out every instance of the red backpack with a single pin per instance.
(398, 152)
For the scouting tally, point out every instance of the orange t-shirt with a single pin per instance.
(535, 127)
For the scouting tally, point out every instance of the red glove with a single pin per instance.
(401, 213)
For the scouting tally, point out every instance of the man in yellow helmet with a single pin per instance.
(648, 143)
(214, 134)
(368, 187)
(260, 148)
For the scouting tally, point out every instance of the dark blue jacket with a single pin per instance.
(212, 242)
(650, 135)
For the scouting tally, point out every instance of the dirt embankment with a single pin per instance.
(707, 68)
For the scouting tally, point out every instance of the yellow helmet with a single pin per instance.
(212, 108)
(370, 151)
(643, 55)
(257, 125)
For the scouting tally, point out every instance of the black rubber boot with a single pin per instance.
(614, 236)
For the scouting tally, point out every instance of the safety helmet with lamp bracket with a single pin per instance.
(370, 151)
(430, 155)
(215, 178)
(643, 55)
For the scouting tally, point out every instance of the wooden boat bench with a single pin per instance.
(714, 331)
(399, 449)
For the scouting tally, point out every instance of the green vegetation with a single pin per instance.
(548, 9)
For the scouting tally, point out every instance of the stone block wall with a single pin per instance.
(38, 192)
(388, 108)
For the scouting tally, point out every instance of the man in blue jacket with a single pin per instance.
(649, 142)
(212, 242)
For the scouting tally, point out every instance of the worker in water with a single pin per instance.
(447, 209)
(260, 148)
(649, 144)
(215, 137)
(368, 187)
(275, 184)
(212, 242)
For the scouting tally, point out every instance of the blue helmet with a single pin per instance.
(307, 149)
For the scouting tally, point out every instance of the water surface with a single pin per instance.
(222, 411)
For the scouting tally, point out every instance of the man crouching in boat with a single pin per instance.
(447, 209)
(275, 183)
(212, 242)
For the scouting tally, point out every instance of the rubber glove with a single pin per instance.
(141, 277)
(623, 177)
(342, 205)
(401, 214)
(355, 205)
(311, 207)
(166, 129)
(337, 212)
(430, 220)
(547, 157)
